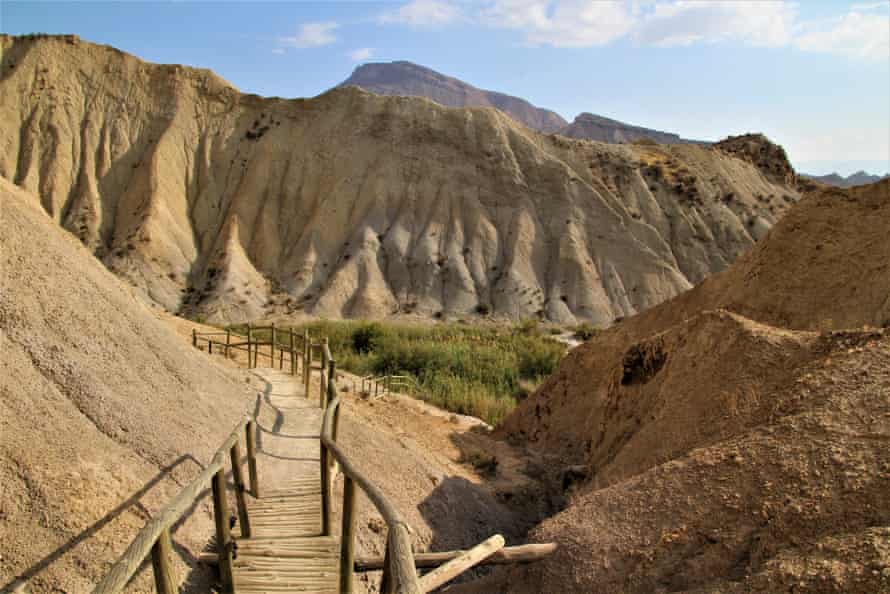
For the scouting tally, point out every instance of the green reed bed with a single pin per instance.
(468, 369)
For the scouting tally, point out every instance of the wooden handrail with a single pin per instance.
(158, 527)
(401, 566)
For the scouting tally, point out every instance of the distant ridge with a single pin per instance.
(860, 178)
(588, 126)
(407, 78)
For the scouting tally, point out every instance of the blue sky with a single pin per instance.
(814, 76)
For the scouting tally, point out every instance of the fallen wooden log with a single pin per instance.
(520, 554)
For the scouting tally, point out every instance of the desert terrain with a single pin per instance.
(724, 427)
(233, 207)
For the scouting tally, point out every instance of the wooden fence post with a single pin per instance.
(249, 360)
(161, 551)
(347, 537)
(228, 341)
(223, 536)
(322, 378)
(240, 500)
(332, 393)
(293, 355)
(194, 338)
(387, 584)
(307, 362)
(325, 492)
(251, 458)
(272, 348)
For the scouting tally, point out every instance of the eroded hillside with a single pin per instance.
(742, 449)
(104, 412)
(351, 204)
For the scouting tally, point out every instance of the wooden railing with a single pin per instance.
(399, 564)
(380, 385)
(154, 538)
(286, 342)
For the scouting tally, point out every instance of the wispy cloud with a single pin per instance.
(361, 54)
(857, 35)
(568, 23)
(870, 6)
(764, 24)
(423, 13)
(312, 35)
(861, 33)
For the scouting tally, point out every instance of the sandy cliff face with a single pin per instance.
(104, 412)
(351, 204)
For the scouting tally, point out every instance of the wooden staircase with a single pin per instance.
(285, 541)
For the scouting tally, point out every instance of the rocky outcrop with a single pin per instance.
(234, 206)
(593, 127)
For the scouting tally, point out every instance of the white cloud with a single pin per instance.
(767, 24)
(565, 23)
(312, 35)
(361, 54)
(870, 6)
(857, 35)
(423, 13)
(862, 33)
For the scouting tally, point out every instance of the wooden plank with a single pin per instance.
(450, 570)
(519, 554)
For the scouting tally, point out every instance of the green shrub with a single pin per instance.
(365, 338)
(585, 331)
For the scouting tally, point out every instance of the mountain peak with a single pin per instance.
(407, 78)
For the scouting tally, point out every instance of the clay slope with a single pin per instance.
(716, 453)
(825, 266)
(352, 204)
(722, 456)
(104, 413)
(407, 78)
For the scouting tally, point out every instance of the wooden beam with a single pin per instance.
(520, 554)
(450, 570)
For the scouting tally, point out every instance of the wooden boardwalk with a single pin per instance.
(285, 539)
(286, 551)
